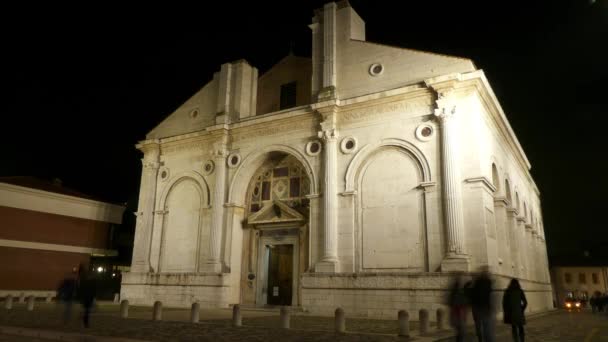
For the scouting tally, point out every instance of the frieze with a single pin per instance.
(275, 130)
(370, 113)
(184, 147)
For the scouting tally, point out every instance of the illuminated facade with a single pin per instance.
(362, 177)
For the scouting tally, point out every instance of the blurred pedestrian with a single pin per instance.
(482, 306)
(86, 292)
(458, 302)
(66, 294)
(514, 304)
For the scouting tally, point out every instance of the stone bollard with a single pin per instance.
(285, 318)
(340, 321)
(124, 308)
(423, 316)
(8, 304)
(237, 320)
(30, 303)
(49, 297)
(404, 323)
(22, 297)
(158, 311)
(117, 298)
(195, 312)
(440, 319)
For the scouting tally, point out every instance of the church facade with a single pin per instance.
(365, 177)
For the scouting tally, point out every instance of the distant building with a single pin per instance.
(578, 282)
(362, 177)
(47, 230)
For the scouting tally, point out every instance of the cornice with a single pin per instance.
(482, 180)
(502, 201)
(14, 196)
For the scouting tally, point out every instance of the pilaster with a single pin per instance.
(145, 211)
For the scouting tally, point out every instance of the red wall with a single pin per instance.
(31, 269)
(27, 225)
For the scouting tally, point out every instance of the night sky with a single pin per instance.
(83, 85)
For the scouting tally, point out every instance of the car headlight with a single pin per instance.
(578, 305)
(568, 305)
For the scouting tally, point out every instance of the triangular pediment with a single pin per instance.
(275, 212)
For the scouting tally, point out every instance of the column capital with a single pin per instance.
(328, 135)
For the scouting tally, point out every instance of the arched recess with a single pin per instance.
(495, 178)
(508, 192)
(364, 154)
(184, 222)
(390, 208)
(240, 181)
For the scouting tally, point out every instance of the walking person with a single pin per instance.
(514, 304)
(87, 292)
(458, 302)
(66, 294)
(482, 306)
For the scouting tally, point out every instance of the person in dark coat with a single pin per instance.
(482, 306)
(513, 305)
(66, 293)
(458, 302)
(87, 292)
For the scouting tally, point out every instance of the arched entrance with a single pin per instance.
(275, 241)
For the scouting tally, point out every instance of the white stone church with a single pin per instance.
(365, 177)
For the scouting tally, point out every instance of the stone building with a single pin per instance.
(578, 282)
(362, 177)
(47, 230)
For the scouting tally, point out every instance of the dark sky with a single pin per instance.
(83, 85)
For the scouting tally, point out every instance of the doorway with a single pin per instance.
(280, 274)
(278, 271)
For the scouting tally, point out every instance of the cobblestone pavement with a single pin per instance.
(263, 326)
(559, 326)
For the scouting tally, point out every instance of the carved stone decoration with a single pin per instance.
(194, 113)
(164, 174)
(313, 148)
(234, 159)
(348, 145)
(376, 69)
(208, 167)
(425, 132)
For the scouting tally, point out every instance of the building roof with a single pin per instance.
(46, 185)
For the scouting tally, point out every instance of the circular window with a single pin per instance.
(164, 174)
(234, 159)
(376, 69)
(208, 167)
(348, 145)
(194, 113)
(425, 132)
(313, 148)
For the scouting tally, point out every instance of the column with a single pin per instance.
(145, 211)
(217, 211)
(329, 135)
(514, 240)
(456, 258)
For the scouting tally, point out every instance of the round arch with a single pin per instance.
(198, 179)
(254, 160)
(368, 150)
(508, 191)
